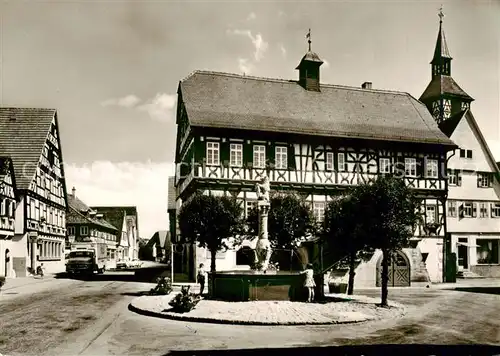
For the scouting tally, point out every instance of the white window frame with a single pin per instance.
(341, 164)
(259, 156)
(468, 205)
(483, 210)
(236, 155)
(213, 148)
(319, 210)
(84, 230)
(385, 165)
(430, 214)
(432, 168)
(452, 177)
(410, 167)
(452, 208)
(495, 210)
(329, 161)
(281, 157)
(485, 180)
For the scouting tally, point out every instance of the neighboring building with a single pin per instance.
(30, 137)
(7, 211)
(316, 139)
(125, 219)
(158, 246)
(473, 221)
(84, 224)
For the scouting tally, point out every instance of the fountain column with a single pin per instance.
(263, 247)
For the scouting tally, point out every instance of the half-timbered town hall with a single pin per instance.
(316, 139)
(30, 139)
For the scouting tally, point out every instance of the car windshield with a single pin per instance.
(80, 254)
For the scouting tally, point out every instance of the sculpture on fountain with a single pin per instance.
(263, 247)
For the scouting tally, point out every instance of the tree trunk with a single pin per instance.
(385, 276)
(352, 273)
(213, 254)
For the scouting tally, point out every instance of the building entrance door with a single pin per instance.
(463, 254)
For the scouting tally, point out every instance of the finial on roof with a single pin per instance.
(441, 14)
(308, 36)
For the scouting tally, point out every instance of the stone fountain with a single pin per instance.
(261, 283)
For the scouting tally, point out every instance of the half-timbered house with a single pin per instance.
(473, 212)
(316, 139)
(125, 219)
(7, 211)
(30, 137)
(84, 224)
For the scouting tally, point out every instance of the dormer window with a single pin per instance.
(465, 105)
(446, 108)
(436, 109)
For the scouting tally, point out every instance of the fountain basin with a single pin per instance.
(256, 285)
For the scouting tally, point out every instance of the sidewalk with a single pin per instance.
(13, 283)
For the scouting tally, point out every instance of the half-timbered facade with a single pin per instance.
(313, 138)
(87, 225)
(125, 219)
(7, 211)
(30, 137)
(473, 211)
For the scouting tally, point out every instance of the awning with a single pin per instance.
(466, 244)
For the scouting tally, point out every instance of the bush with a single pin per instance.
(164, 286)
(184, 301)
(2, 281)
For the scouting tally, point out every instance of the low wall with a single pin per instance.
(487, 270)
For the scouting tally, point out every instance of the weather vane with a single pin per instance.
(441, 15)
(308, 36)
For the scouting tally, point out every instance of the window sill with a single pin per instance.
(487, 264)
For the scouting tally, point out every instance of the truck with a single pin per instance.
(87, 258)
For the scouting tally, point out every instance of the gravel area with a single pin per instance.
(339, 309)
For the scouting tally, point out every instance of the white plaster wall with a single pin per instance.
(434, 247)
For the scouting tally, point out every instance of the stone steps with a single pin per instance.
(468, 275)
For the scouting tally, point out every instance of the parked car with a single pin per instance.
(135, 263)
(121, 264)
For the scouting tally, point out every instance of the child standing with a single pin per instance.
(309, 282)
(201, 277)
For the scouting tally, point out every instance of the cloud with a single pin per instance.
(244, 65)
(128, 101)
(251, 16)
(140, 184)
(283, 50)
(258, 42)
(161, 107)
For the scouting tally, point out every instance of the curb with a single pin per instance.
(32, 281)
(181, 317)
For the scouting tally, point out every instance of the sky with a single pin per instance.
(111, 69)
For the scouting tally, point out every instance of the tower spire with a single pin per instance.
(308, 36)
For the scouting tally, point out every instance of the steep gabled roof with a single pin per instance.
(450, 127)
(76, 213)
(223, 100)
(160, 238)
(23, 132)
(442, 85)
(6, 167)
(114, 215)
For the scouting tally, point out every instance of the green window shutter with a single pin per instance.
(461, 211)
(491, 210)
(201, 151)
(224, 152)
(474, 210)
(459, 178)
(478, 179)
(270, 155)
(247, 155)
(291, 156)
(490, 180)
(421, 167)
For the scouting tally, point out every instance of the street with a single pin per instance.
(75, 317)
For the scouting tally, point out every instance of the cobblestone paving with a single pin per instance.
(344, 310)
